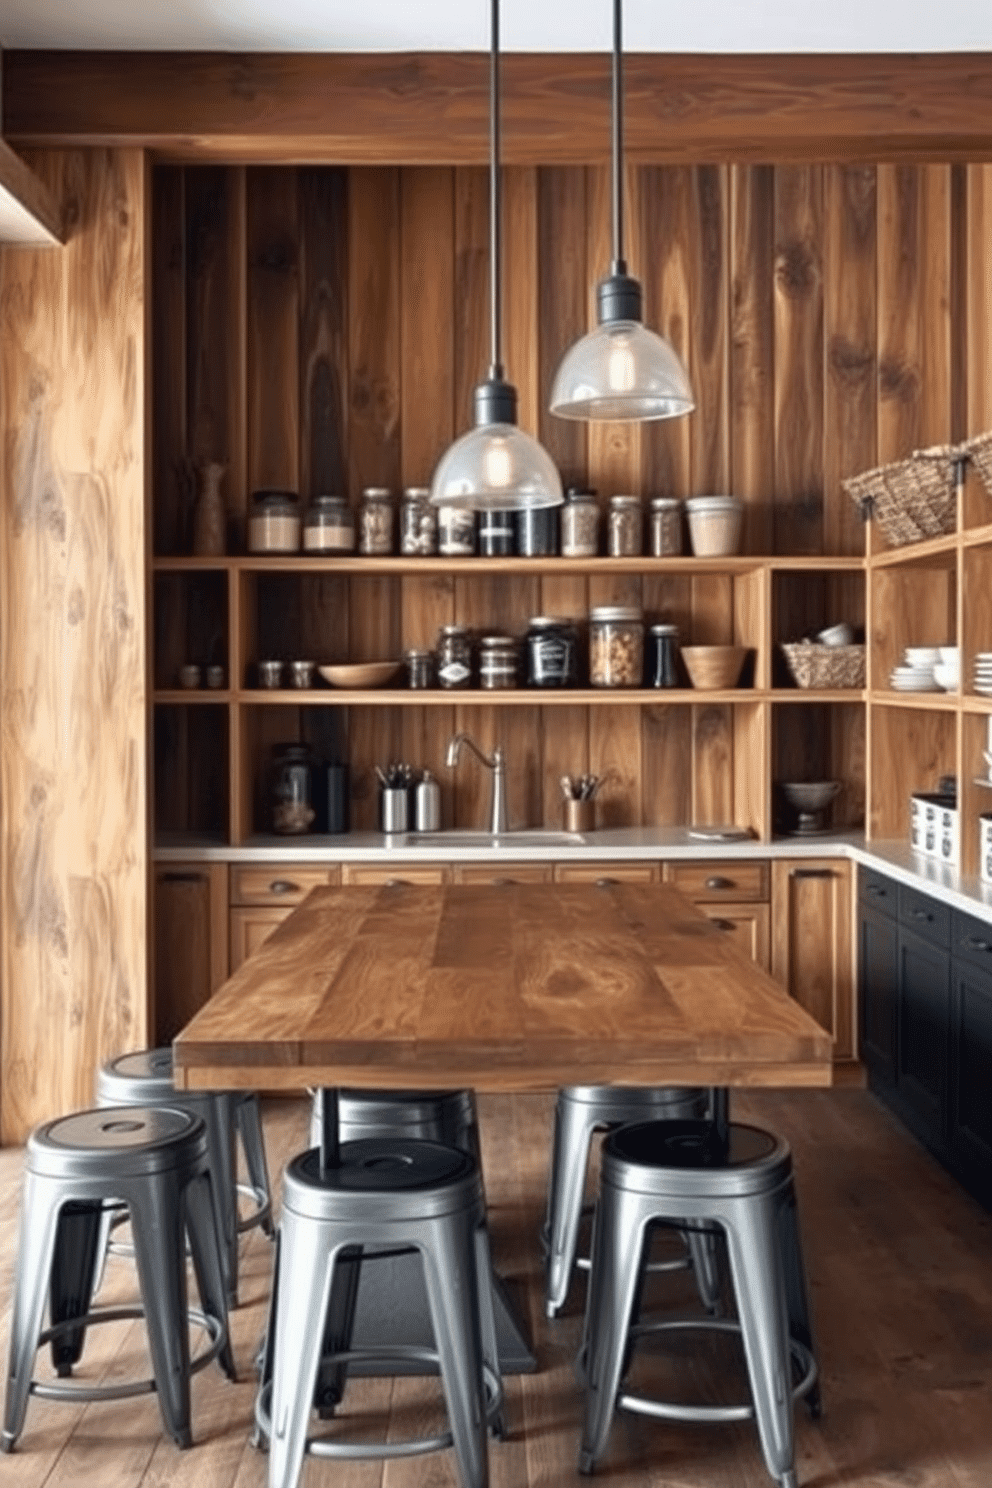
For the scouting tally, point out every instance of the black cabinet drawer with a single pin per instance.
(926, 917)
(971, 941)
(878, 892)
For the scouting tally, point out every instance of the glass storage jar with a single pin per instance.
(375, 522)
(552, 652)
(666, 526)
(455, 531)
(626, 530)
(496, 534)
(662, 651)
(419, 669)
(453, 657)
(328, 526)
(418, 523)
(497, 661)
(616, 646)
(537, 531)
(291, 789)
(274, 522)
(580, 525)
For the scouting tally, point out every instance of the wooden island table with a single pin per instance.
(508, 987)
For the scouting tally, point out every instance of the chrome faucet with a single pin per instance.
(497, 814)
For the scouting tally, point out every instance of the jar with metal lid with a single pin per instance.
(497, 661)
(453, 657)
(580, 525)
(662, 652)
(291, 789)
(496, 534)
(552, 652)
(666, 526)
(626, 529)
(274, 522)
(418, 523)
(329, 526)
(375, 522)
(455, 531)
(616, 646)
(537, 531)
(419, 669)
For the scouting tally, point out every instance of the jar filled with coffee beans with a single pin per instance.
(616, 646)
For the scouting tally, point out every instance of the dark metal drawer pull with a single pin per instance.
(724, 924)
(877, 890)
(972, 943)
(283, 886)
(606, 883)
(919, 914)
(716, 882)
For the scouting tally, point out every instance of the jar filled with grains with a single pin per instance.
(418, 523)
(375, 522)
(626, 529)
(616, 646)
(666, 526)
(274, 523)
(329, 526)
(455, 531)
(453, 657)
(580, 525)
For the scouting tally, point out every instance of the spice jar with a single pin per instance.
(455, 531)
(580, 525)
(497, 661)
(419, 669)
(274, 523)
(662, 649)
(552, 652)
(375, 522)
(616, 646)
(291, 789)
(666, 526)
(418, 523)
(328, 526)
(537, 531)
(626, 534)
(453, 656)
(496, 534)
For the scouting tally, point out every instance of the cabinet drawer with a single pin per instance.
(879, 892)
(712, 882)
(278, 883)
(748, 926)
(502, 873)
(606, 873)
(971, 941)
(925, 916)
(366, 875)
(250, 927)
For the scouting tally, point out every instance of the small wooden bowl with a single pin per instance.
(711, 668)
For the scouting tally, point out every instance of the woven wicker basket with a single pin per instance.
(911, 499)
(979, 452)
(825, 666)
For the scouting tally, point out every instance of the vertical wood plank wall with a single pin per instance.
(73, 853)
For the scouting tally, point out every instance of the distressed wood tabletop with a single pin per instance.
(499, 987)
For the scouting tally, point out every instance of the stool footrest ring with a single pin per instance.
(705, 1414)
(260, 1213)
(126, 1389)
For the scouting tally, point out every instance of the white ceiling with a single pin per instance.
(527, 25)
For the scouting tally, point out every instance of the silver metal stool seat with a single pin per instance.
(155, 1161)
(145, 1078)
(447, 1116)
(580, 1111)
(685, 1173)
(396, 1193)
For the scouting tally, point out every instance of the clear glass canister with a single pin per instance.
(375, 522)
(291, 789)
(455, 531)
(626, 530)
(419, 669)
(329, 526)
(552, 652)
(580, 525)
(497, 661)
(616, 646)
(274, 522)
(666, 526)
(453, 656)
(418, 523)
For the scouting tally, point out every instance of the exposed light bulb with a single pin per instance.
(620, 372)
(498, 463)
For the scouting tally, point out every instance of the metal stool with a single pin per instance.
(682, 1172)
(580, 1111)
(155, 1161)
(145, 1078)
(396, 1193)
(447, 1116)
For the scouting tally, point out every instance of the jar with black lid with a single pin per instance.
(453, 657)
(496, 534)
(580, 525)
(537, 531)
(552, 652)
(418, 523)
(328, 526)
(497, 661)
(375, 522)
(274, 522)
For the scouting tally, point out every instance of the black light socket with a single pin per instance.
(619, 298)
(495, 402)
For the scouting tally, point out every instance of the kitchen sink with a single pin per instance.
(505, 842)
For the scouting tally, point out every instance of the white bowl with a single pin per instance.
(951, 655)
(946, 676)
(836, 635)
(922, 656)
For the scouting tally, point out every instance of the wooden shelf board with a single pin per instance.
(973, 702)
(917, 553)
(192, 695)
(379, 567)
(976, 537)
(935, 702)
(478, 697)
(818, 695)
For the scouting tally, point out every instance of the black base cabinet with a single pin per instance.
(925, 994)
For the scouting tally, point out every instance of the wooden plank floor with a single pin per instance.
(899, 1260)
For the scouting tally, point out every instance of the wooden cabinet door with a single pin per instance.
(250, 927)
(812, 953)
(878, 993)
(748, 924)
(190, 914)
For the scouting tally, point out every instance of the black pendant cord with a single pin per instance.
(495, 297)
(619, 265)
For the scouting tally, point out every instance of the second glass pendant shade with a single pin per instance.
(619, 371)
(496, 467)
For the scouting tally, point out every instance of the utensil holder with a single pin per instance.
(394, 808)
(580, 816)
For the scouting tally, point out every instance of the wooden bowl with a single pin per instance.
(711, 668)
(360, 673)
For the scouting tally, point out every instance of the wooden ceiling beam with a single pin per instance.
(432, 107)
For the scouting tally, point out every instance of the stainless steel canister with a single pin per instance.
(426, 804)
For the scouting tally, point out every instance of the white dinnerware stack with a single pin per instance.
(915, 674)
(983, 673)
(947, 672)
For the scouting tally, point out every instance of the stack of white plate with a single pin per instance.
(916, 672)
(983, 673)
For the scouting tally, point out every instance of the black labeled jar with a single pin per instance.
(497, 661)
(496, 534)
(662, 670)
(454, 657)
(552, 652)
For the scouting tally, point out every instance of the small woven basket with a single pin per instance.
(825, 666)
(979, 452)
(911, 499)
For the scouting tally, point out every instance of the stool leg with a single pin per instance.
(305, 1274)
(450, 1273)
(207, 1265)
(759, 1292)
(266, 1354)
(70, 1290)
(487, 1318)
(35, 1248)
(338, 1328)
(705, 1267)
(618, 1244)
(160, 1255)
(220, 1146)
(566, 1190)
(248, 1117)
(796, 1288)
